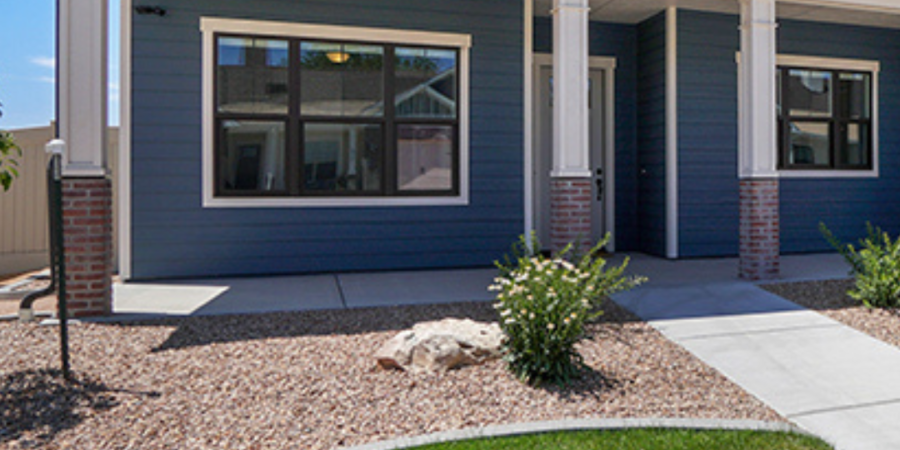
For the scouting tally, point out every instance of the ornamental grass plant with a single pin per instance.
(544, 304)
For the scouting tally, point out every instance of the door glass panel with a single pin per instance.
(252, 76)
(425, 157)
(341, 79)
(425, 82)
(809, 143)
(809, 93)
(342, 157)
(253, 155)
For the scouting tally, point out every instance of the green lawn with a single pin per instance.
(643, 439)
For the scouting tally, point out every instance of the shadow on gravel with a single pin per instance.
(38, 404)
(206, 330)
(825, 295)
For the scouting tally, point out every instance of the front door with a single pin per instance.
(543, 151)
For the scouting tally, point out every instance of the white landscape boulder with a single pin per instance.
(442, 345)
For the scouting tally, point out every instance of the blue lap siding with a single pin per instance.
(707, 116)
(652, 134)
(620, 42)
(174, 236)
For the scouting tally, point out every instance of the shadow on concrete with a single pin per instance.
(36, 405)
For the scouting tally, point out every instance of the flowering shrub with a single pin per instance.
(544, 304)
(875, 265)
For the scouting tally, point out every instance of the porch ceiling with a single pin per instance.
(635, 11)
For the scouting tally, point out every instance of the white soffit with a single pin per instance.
(636, 11)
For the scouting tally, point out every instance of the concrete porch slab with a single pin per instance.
(416, 287)
(228, 296)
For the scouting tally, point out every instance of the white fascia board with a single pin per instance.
(882, 6)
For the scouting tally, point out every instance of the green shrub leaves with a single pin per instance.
(544, 303)
(876, 267)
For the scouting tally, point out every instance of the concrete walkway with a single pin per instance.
(829, 379)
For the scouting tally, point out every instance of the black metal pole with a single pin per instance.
(59, 243)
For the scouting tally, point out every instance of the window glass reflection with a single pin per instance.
(341, 79)
(809, 93)
(810, 143)
(425, 82)
(252, 76)
(253, 155)
(424, 158)
(342, 157)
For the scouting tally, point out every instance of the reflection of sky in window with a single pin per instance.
(233, 51)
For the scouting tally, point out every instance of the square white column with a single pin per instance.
(571, 135)
(758, 149)
(83, 37)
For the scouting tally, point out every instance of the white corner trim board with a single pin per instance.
(210, 26)
(672, 132)
(528, 117)
(124, 163)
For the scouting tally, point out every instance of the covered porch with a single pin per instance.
(645, 191)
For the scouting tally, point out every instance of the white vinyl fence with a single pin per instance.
(23, 209)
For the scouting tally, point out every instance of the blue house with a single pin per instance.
(276, 136)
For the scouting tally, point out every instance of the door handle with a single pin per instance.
(599, 182)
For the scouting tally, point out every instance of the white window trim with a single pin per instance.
(210, 26)
(819, 62)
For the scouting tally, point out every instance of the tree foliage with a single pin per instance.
(9, 165)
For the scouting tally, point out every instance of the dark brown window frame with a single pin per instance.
(835, 122)
(295, 123)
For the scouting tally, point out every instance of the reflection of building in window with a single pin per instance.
(253, 156)
(425, 158)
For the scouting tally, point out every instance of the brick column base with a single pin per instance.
(760, 230)
(87, 231)
(570, 212)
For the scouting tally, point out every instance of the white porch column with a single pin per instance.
(87, 190)
(83, 79)
(570, 202)
(758, 150)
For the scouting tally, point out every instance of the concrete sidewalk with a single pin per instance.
(829, 379)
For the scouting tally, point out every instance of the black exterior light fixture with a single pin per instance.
(150, 11)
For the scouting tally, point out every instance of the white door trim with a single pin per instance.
(528, 122)
(124, 164)
(608, 64)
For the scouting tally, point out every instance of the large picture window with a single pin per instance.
(825, 119)
(318, 115)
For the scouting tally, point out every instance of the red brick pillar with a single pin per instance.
(570, 212)
(87, 231)
(760, 229)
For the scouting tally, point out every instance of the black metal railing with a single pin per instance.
(57, 261)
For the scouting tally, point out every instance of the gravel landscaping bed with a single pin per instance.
(307, 380)
(830, 298)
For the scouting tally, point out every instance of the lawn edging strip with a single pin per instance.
(518, 429)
